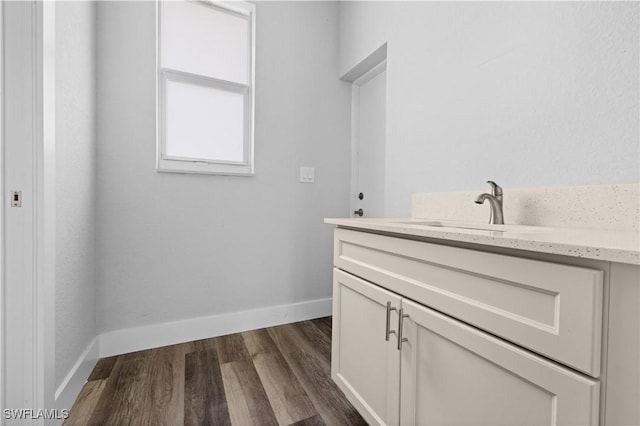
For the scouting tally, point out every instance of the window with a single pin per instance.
(205, 87)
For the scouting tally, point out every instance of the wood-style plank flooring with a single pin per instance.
(273, 376)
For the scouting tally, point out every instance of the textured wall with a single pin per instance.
(75, 183)
(174, 246)
(526, 94)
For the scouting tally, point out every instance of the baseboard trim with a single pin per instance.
(157, 335)
(72, 384)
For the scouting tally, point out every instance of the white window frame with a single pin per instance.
(167, 163)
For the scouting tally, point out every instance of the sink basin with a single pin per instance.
(471, 225)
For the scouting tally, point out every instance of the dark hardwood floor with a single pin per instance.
(273, 376)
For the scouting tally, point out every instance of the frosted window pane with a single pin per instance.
(203, 40)
(204, 122)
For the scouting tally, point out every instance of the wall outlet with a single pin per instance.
(307, 174)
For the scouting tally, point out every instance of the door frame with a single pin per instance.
(2, 204)
(35, 287)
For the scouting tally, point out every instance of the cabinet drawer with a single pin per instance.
(552, 309)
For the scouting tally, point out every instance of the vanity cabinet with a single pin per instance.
(490, 338)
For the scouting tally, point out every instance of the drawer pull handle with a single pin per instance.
(401, 317)
(388, 330)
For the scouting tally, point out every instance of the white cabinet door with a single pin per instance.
(455, 374)
(364, 364)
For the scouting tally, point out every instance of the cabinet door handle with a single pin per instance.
(388, 330)
(401, 317)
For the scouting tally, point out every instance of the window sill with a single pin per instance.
(196, 167)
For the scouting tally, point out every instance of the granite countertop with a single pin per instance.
(599, 244)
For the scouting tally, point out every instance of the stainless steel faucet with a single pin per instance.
(495, 200)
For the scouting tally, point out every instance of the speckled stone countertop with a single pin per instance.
(608, 245)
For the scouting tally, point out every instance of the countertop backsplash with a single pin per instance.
(612, 207)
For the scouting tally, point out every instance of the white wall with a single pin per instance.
(174, 246)
(523, 93)
(75, 183)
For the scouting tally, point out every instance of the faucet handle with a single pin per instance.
(496, 190)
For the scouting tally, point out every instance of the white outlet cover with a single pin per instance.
(307, 174)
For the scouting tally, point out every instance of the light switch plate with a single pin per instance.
(307, 174)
